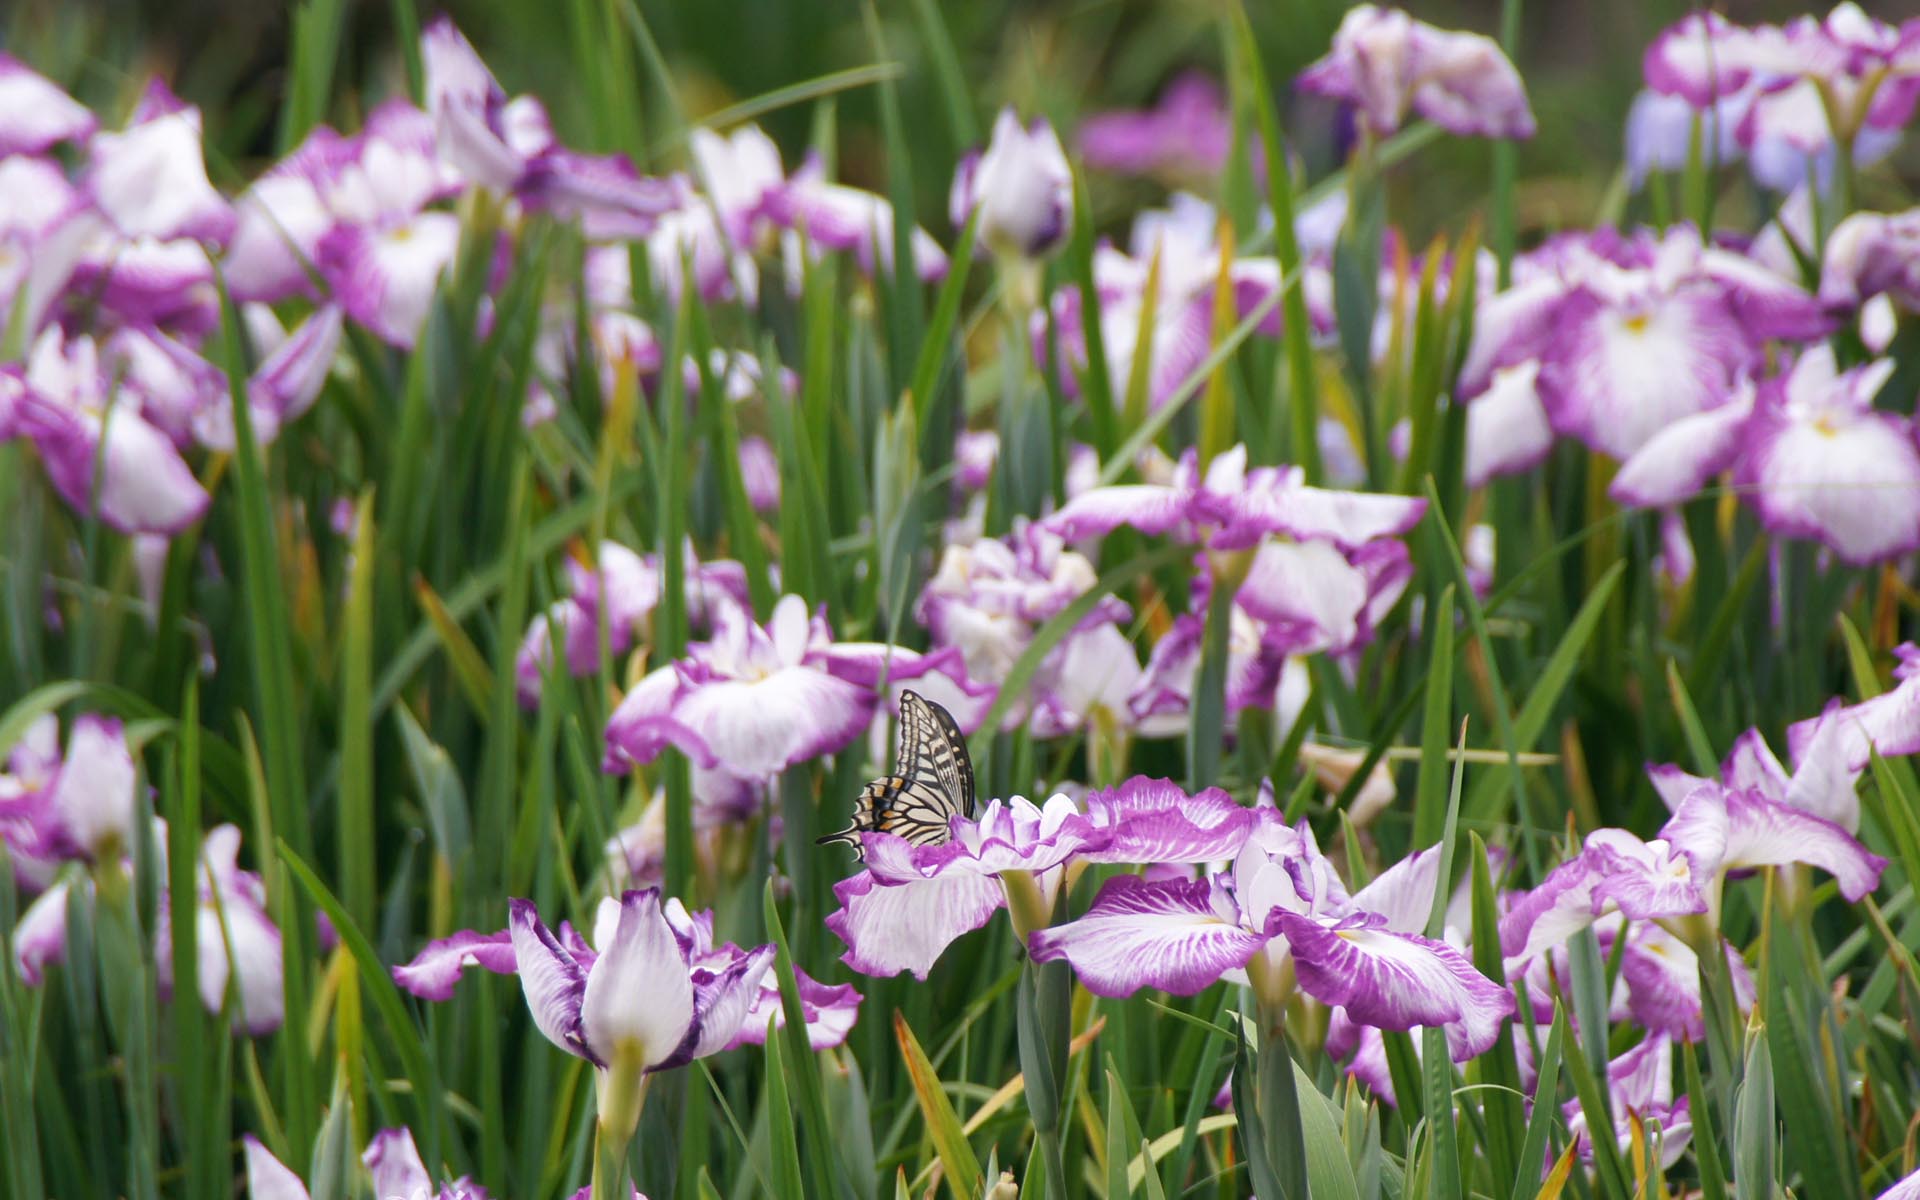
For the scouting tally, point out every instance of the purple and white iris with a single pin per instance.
(1021, 185)
(754, 699)
(651, 985)
(1386, 64)
(1282, 918)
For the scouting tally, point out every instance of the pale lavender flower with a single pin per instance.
(639, 997)
(743, 177)
(988, 597)
(624, 587)
(1660, 133)
(1386, 64)
(1162, 700)
(1022, 186)
(1823, 782)
(1188, 131)
(1241, 505)
(267, 1177)
(755, 699)
(1282, 902)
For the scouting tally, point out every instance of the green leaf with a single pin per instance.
(425, 1083)
(1429, 809)
(828, 1172)
(1753, 1136)
(943, 1124)
(786, 1152)
(1546, 1107)
(1706, 1145)
(1436, 1073)
(1498, 1069)
(1551, 682)
(355, 786)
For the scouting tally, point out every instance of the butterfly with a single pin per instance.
(931, 784)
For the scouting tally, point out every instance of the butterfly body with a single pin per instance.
(932, 781)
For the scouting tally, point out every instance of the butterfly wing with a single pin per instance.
(931, 783)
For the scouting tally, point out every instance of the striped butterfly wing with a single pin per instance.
(932, 781)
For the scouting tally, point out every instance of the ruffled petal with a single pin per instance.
(1178, 936)
(1764, 833)
(1156, 821)
(1150, 508)
(553, 981)
(432, 973)
(1676, 462)
(756, 728)
(905, 927)
(1397, 981)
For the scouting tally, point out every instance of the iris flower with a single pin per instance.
(1282, 916)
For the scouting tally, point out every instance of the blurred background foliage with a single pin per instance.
(1581, 59)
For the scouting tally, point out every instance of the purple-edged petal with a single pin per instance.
(1622, 368)
(905, 927)
(758, 727)
(1663, 983)
(1384, 63)
(145, 486)
(1022, 186)
(1403, 893)
(640, 959)
(1677, 461)
(1311, 597)
(151, 178)
(252, 971)
(385, 278)
(394, 1163)
(553, 980)
(35, 114)
(723, 996)
(40, 939)
(1507, 427)
(1823, 464)
(1178, 936)
(1150, 508)
(1157, 821)
(1276, 500)
(829, 1010)
(1397, 981)
(94, 794)
(267, 1177)
(432, 973)
(1763, 833)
